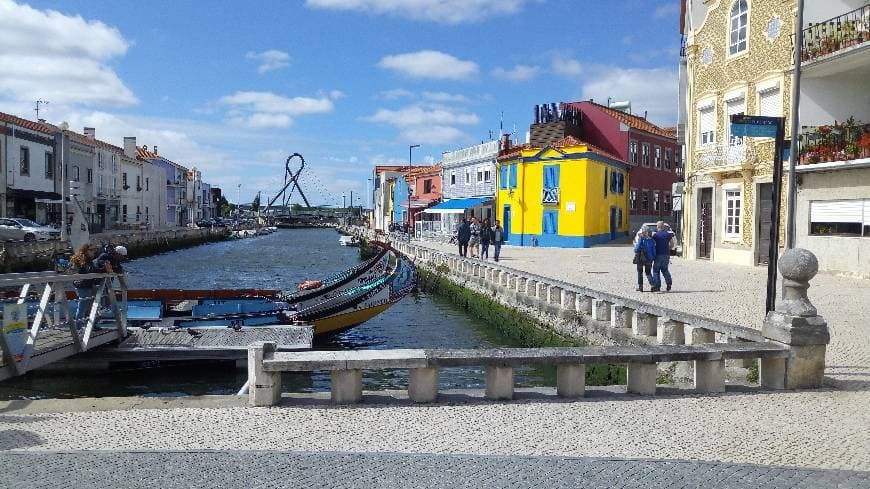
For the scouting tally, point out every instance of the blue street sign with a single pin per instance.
(754, 126)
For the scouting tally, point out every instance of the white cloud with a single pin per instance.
(396, 94)
(669, 9)
(266, 109)
(517, 73)
(270, 60)
(567, 67)
(433, 124)
(653, 90)
(442, 11)
(445, 97)
(45, 54)
(429, 64)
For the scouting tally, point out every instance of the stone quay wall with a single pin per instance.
(40, 255)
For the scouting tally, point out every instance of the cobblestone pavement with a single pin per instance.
(810, 429)
(730, 293)
(209, 469)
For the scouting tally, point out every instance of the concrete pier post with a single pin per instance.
(423, 384)
(531, 287)
(571, 380)
(699, 336)
(644, 324)
(475, 270)
(642, 378)
(541, 291)
(521, 285)
(264, 388)
(671, 332)
(584, 304)
(710, 376)
(499, 383)
(504, 278)
(796, 324)
(346, 386)
(601, 310)
(621, 316)
(512, 282)
(569, 301)
(554, 295)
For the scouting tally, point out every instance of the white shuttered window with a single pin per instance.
(706, 125)
(734, 107)
(770, 103)
(840, 218)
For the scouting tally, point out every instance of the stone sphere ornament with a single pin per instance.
(798, 264)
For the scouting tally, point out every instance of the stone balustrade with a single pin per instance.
(795, 324)
(265, 366)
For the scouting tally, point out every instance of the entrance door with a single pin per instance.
(705, 223)
(765, 223)
(506, 222)
(612, 223)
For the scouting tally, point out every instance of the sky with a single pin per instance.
(234, 88)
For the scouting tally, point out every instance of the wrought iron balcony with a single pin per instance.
(836, 34)
(550, 196)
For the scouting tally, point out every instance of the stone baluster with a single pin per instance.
(621, 316)
(531, 287)
(601, 309)
(569, 301)
(584, 304)
(541, 291)
(670, 332)
(521, 285)
(554, 295)
(699, 336)
(796, 324)
(644, 324)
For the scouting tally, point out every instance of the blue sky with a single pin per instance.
(235, 87)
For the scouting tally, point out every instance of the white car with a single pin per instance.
(19, 229)
(676, 245)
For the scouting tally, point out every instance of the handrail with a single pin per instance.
(832, 35)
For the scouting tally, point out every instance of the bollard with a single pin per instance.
(796, 324)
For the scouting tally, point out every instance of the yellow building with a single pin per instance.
(570, 195)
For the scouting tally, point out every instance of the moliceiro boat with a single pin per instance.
(335, 303)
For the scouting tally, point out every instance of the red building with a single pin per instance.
(652, 151)
(425, 182)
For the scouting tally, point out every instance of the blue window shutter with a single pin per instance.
(503, 177)
(548, 181)
(514, 175)
(620, 183)
(555, 226)
(551, 222)
(555, 175)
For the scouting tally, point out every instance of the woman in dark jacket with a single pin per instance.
(485, 238)
(644, 256)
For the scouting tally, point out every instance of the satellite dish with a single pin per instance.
(64, 125)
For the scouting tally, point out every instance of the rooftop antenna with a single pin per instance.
(501, 123)
(40, 101)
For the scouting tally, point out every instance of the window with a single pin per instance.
(453, 178)
(606, 180)
(735, 106)
(551, 185)
(657, 160)
(75, 174)
(124, 213)
(99, 160)
(503, 177)
(619, 218)
(840, 218)
(24, 169)
(551, 222)
(644, 202)
(620, 183)
(138, 183)
(739, 25)
(770, 103)
(138, 213)
(733, 199)
(427, 186)
(614, 182)
(147, 181)
(513, 182)
(632, 152)
(487, 176)
(114, 185)
(656, 207)
(479, 175)
(467, 177)
(114, 164)
(645, 154)
(632, 199)
(668, 154)
(124, 179)
(101, 184)
(706, 126)
(667, 203)
(49, 166)
(90, 174)
(677, 160)
(147, 216)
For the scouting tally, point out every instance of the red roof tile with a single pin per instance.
(562, 143)
(33, 126)
(630, 120)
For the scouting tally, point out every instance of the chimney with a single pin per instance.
(90, 133)
(130, 146)
(154, 149)
(505, 142)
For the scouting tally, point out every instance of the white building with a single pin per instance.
(30, 170)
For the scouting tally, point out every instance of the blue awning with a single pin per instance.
(457, 206)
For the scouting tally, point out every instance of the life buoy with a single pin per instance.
(310, 284)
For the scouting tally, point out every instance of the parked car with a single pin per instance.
(676, 245)
(20, 229)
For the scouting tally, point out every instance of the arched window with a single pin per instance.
(739, 26)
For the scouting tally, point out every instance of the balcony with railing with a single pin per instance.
(843, 144)
(838, 35)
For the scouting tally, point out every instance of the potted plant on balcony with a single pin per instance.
(864, 144)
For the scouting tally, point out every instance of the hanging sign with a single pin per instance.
(15, 328)
(754, 126)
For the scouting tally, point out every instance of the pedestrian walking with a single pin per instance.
(463, 234)
(485, 238)
(497, 239)
(663, 239)
(644, 257)
(83, 260)
(474, 241)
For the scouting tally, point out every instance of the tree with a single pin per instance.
(255, 205)
(296, 207)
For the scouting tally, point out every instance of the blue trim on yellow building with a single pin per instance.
(557, 241)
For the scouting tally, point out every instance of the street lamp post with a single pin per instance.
(239, 202)
(410, 220)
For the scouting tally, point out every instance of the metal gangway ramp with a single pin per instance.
(40, 327)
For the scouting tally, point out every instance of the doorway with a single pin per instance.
(506, 221)
(705, 223)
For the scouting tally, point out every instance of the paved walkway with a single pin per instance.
(729, 293)
(207, 469)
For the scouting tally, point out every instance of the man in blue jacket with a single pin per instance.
(663, 239)
(463, 235)
(644, 257)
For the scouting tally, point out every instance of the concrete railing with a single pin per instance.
(265, 366)
(795, 323)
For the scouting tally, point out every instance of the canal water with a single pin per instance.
(279, 260)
